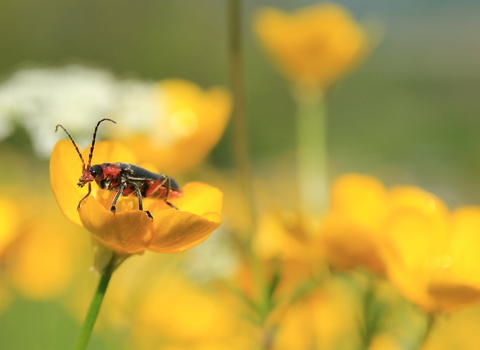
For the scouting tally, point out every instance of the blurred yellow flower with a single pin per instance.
(313, 46)
(41, 262)
(130, 231)
(352, 226)
(186, 316)
(285, 244)
(431, 255)
(192, 122)
(282, 235)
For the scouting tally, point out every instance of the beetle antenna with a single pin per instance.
(74, 144)
(93, 141)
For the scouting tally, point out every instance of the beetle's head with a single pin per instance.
(90, 174)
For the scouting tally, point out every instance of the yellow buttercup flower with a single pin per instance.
(129, 230)
(431, 255)
(192, 122)
(352, 227)
(313, 46)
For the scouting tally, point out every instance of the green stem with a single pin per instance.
(240, 138)
(94, 309)
(371, 313)
(312, 150)
(243, 165)
(431, 318)
(239, 121)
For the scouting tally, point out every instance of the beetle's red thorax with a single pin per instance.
(111, 169)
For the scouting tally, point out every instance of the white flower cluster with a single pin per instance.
(76, 97)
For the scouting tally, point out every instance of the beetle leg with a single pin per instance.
(140, 201)
(88, 194)
(113, 208)
(163, 182)
(169, 187)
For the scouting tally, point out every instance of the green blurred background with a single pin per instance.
(409, 114)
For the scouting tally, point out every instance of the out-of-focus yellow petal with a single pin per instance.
(416, 235)
(273, 240)
(361, 198)
(409, 197)
(407, 253)
(348, 245)
(385, 342)
(456, 280)
(351, 229)
(126, 232)
(42, 263)
(194, 120)
(431, 255)
(66, 168)
(8, 222)
(166, 313)
(314, 45)
(319, 322)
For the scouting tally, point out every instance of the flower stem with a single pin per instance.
(243, 165)
(431, 319)
(239, 121)
(311, 150)
(93, 310)
(372, 314)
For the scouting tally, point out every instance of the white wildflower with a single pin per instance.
(76, 97)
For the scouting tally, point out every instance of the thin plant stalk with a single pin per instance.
(242, 160)
(94, 309)
(239, 121)
(312, 160)
(240, 138)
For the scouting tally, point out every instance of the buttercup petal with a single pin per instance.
(175, 231)
(361, 198)
(126, 232)
(456, 278)
(199, 198)
(65, 169)
(199, 214)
